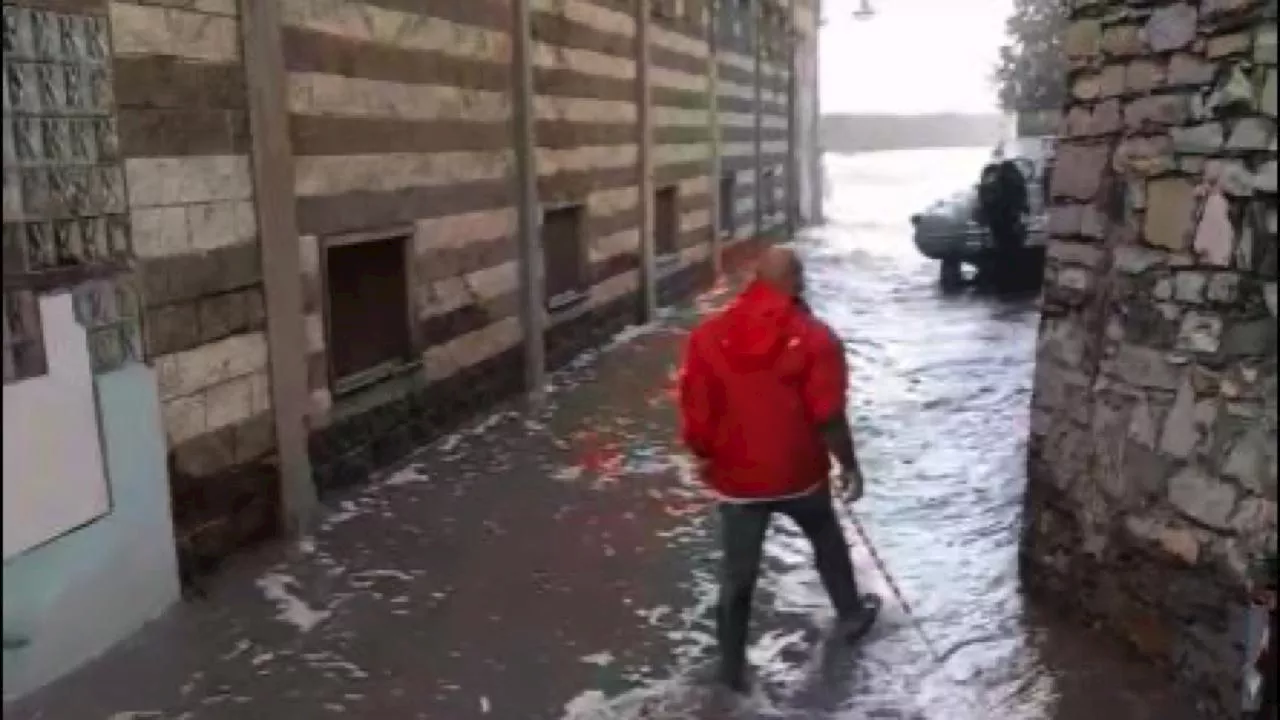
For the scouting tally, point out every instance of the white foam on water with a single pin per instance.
(290, 608)
(600, 659)
(406, 476)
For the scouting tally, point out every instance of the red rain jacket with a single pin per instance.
(758, 379)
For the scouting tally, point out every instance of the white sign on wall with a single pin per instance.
(54, 477)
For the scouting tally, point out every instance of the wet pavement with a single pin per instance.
(560, 564)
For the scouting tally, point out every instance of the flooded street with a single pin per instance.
(561, 564)
(940, 392)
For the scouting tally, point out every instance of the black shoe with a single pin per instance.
(854, 627)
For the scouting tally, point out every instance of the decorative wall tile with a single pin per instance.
(23, 344)
(65, 203)
(109, 311)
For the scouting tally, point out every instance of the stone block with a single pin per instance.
(1200, 332)
(1203, 139)
(1171, 27)
(176, 181)
(1266, 179)
(205, 455)
(1203, 499)
(1170, 208)
(194, 370)
(1103, 119)
(1187, 427)
(1229, 45)
(1247, 457)
(1086, 87)
(1252, 134)
(1122, 41)
(1214, 241)
(1264, 45)
(1144, 424)
(1191, 70)
(1076, 253)
(1111, 81)
(1144, 75)
(1083, 39)
(1223, 288)
(1142, 367)
(260, 391)
(1231, 176)
(223, 315)
(255, 438)
(1077, 173)
(170, 32)
(229, 402)
(171, 328)
(1136, 260)
(220, 224)
(1076, 279)
(1189, 287)
(184, 418)
(1144, 155)
(1252, 338)
(160, 232)
(1156, 111)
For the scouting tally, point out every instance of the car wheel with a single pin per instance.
(951, 274)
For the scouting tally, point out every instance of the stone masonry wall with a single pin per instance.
(1153, 452)
(681, 98)
(400, 117)
(184, 136)
(587, 153)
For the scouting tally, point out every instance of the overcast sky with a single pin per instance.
(914, 56)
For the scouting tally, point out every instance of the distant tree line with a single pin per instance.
(1032, 71)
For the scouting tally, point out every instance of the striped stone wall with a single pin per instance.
(587, 152)
(737, 103)
(179, 84)
(774, 79)
(400, 117)
(680, 58)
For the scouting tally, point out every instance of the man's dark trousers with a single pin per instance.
(743, 527)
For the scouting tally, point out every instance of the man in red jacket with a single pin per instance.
(762, 404)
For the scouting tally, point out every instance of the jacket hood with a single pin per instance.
(754, 329)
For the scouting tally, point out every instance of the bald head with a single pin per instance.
(781, 269)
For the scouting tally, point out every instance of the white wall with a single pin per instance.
(54, 480)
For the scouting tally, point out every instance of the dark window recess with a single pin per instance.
(728, 204)
(368, 309)
(563, 255)
(666, 221)
(768, 194)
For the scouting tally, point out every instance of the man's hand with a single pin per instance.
(849, 484)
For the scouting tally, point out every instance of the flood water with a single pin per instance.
(562, 564)
(940, 393)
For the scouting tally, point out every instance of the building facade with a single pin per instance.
(1153, 454)
(257, 251)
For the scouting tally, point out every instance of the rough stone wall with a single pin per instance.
(1153, 451)
(400, 117)
(184, 136)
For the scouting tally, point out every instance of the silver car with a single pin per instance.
(947, 232)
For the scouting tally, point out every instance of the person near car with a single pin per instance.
(762, 402)
(1003, 201)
